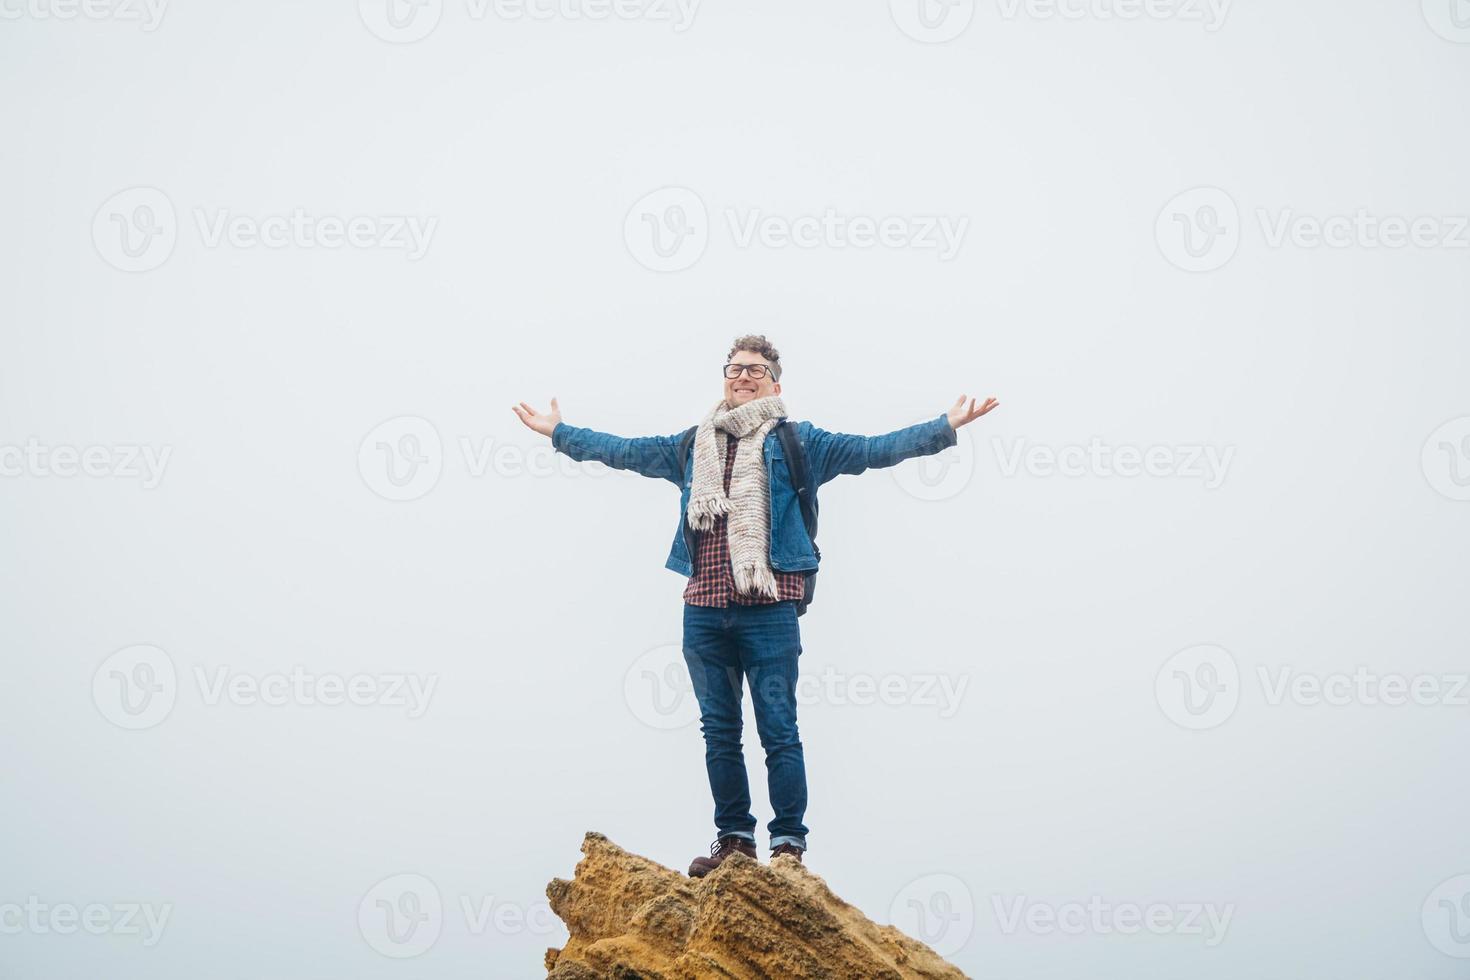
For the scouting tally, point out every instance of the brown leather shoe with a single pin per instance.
(718, 851)
(791, 849)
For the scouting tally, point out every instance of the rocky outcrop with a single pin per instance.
(633, 919)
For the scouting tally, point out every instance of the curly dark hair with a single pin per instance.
(757, 343)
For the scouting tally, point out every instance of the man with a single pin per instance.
(742, 543)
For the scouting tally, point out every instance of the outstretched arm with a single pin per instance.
(651, 456)
(837, 453)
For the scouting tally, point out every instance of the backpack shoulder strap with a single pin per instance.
(806, 494)
(686, 443)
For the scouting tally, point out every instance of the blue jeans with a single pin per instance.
(723, 646)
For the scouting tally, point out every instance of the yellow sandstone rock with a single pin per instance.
(634, 919)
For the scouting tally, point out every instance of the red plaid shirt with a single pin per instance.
(713, 581)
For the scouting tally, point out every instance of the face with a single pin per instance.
(744, 389)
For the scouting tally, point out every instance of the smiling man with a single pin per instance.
(744, 546)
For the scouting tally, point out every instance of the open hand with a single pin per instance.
(960, 413)
(542, 422)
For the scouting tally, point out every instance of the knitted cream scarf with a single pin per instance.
(747, 507)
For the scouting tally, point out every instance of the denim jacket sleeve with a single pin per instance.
(837, 453)
(651, 456)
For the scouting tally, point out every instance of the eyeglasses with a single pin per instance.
(756, 371)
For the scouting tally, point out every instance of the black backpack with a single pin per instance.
(806, 494)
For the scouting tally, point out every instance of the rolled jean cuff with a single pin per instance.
(739, 833)
(778, 841)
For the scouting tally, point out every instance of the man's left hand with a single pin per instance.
(960, 413)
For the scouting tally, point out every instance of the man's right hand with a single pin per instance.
(542, 422)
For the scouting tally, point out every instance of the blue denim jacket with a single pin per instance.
(829, 454)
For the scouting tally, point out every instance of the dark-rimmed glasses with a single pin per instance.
(756, 371)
